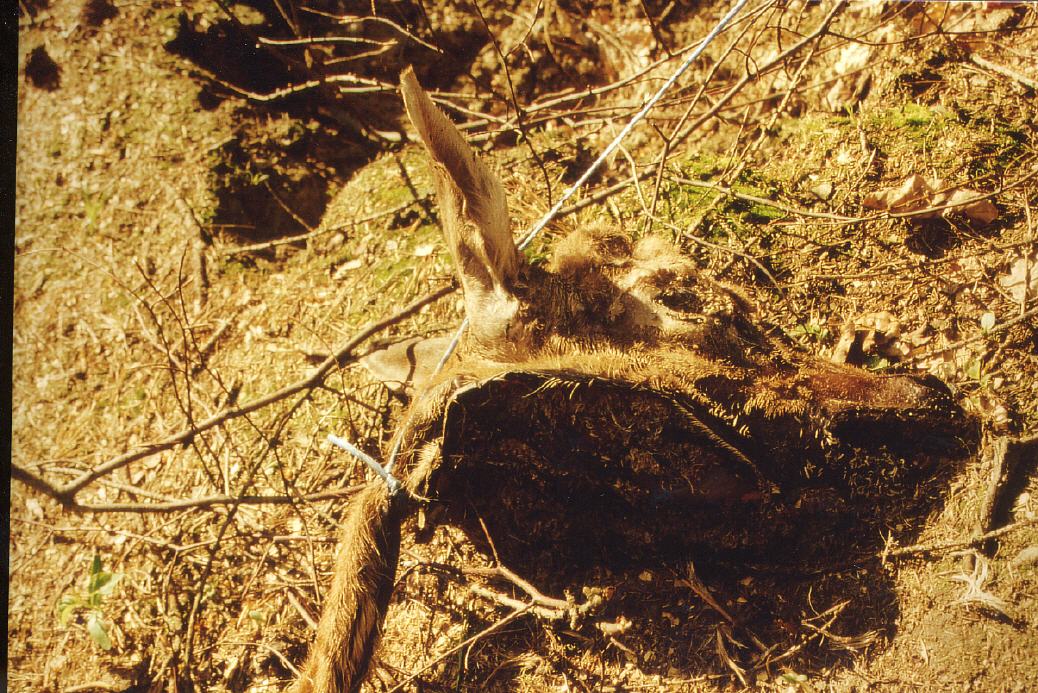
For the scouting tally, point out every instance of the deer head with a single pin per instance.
(614, 395)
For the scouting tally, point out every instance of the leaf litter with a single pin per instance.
(932, 199)
(928, 302)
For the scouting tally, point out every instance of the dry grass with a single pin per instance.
(117, 346)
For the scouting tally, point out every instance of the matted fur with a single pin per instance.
(351, 620)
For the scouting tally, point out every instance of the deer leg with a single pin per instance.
(351, 620)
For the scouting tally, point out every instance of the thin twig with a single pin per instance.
(309, 41)
(464, 643)
(520, 115)
(752, 74)
(978, 337)
(66, 494)
(916, 549)
(1005, 72)
(361, 85)
(693, 582)
(543, 606)
(319, 231)
(927, 211)
(349, 19)
(210, 502)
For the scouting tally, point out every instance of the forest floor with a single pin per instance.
(202, 223)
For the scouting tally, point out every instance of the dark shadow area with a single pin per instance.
(97, 12)
(931, 238)
(580, 483)
(1020, 466)
(318, 100)
(41, 71)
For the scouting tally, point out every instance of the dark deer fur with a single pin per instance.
(613, 395)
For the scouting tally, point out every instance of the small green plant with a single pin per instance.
(100, 584)
(93, 206)
(876, 362)
(796, 682)
(912, 115)
(810, 331)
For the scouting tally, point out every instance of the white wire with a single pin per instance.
(608, 151)
(383, 472)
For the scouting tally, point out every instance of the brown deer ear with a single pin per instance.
(405, 367)
(474, 215)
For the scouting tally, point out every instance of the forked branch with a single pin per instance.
(66, 494)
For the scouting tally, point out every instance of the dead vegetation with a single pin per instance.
(174, 378)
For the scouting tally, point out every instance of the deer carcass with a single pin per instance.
(615, 406)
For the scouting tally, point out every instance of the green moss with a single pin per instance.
(540, 250)
(720, 215)
(116, 302)
(997, 143)
(910, 115)
(702, 166)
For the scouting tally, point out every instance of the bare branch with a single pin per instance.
(464, 643)
(311, 40)
(66, 494)
(918, 549)
(318, 232)
(1005, 72)
(210, 502)
(1001, 327)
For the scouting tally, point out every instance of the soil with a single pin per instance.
(212, 200)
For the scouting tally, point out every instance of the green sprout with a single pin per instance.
(100, 584)
(811, 331)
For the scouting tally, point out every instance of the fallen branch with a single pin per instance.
(935, 547)
(318, 232)
(852, 220)
(540, 604)
(1005, 72)
(978, 337)
(352, 19)
(544, 606)
(1007, 454)
(360, 85)
(66, 494)
(207, 502)
(314, 40)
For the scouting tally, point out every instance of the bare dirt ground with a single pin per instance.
(214, 200)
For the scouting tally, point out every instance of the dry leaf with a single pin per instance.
(962, 20)
(915, 193)
(1022, 280)
(981, 211)
(853, 80)
(877, 335)
(842, 350)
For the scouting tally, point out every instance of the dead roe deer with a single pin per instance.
(614, 406)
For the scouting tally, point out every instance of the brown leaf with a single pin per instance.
(915, 194)
(981, 211)
(1022, 280)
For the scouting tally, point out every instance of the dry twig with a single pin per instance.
(66, 494)
(935, 547)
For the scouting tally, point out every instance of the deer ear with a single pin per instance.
(405, 367)
(474, 215)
